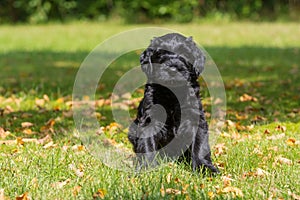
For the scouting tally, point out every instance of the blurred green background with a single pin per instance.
(152, 11)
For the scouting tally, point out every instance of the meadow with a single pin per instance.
(41, 156)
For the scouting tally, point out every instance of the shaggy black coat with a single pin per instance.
(170, 120)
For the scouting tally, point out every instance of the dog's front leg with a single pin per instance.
(146, 152)
(201, 154)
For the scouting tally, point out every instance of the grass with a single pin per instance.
(257, 152)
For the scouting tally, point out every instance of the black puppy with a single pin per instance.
(170, 120)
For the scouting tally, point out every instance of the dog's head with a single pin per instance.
(172, 59)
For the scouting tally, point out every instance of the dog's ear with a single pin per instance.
(199, 62)
(199, 57)
(145, 59)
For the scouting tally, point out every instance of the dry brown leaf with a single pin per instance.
(267, 132)
(100, 193)
(78, 172)
(283, 160)
(61, 184)
(49, 145)
(257, 118)
(28, 131)
(2, 197)
(241, 117)
(227, 180)
(174, 191)
(39, 102)
(291, 141)
(260, 172)
(23, 197)
(77, 147)
(294, 196)
(76, 190)
(26, 124)
(280, 128)
(233, 190)
(276, 137)
(3, 133)
(219, 149)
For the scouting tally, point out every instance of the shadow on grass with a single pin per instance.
(269, 74)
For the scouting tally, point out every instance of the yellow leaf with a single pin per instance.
(291, 142)
(246, 97)
(23, 196)
(28, 131)
(19, 141)
(100, 193)
(210, 194)
(76, 190)
(46, 98)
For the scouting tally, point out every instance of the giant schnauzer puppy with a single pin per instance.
(170, 120)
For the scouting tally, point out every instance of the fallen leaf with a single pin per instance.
(267, 132)
(291, 141)
(280, 128)
(210, 194)
(78, 172)
(3, 133)
(260, 172)
(100, 193)
(283, 160)
(49, 145)
(220, 149)
(77, 147)
(2, 197)
(246, 97)
(46, 98)
(19, 141)
(294, 196)
(61, 184)
(26, 124)
(76, 190)
(28, 131)
(276, 137)
(23, 196)
(39, 102)
(234, 190)
(174, 191)
(227, 180)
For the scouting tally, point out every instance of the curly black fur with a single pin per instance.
(170, 118)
